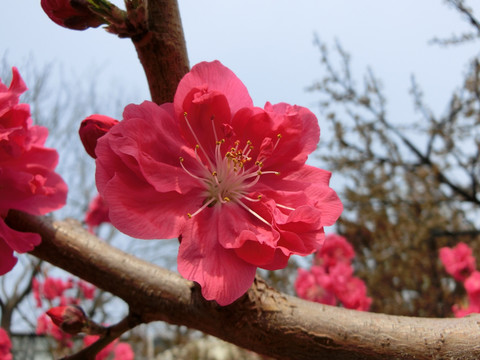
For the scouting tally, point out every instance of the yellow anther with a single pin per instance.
(197, 146)
(259, 172)
(279, 136)
(277, 173)
(181, 159)
(189, 215)
(259, 197)
(185, 113)
(214, 173)
(226, 199)
(249, 142)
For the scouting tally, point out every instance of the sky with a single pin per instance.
(267, 43)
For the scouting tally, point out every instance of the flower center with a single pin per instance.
(231, 174)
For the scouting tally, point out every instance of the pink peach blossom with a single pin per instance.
(92, 129)
(105, 352)
(458, 261)
(45, 326)
(460, 311)
(353, 294)
(330, 280)
(472, 286)
(69, 318)
(88, 290)
(335, 249)
(315, 285)
(5, 346)
(123, 351)
(54, 287)
(27, 175)
(340, 275)
(72, 14)
(96, 214)
(229, 178)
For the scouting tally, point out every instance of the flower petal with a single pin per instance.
(7, 260)
(222, 275)
(212, 76)
(140, 211)
(300, 133)
(12, 240)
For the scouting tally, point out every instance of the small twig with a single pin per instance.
(112, 333)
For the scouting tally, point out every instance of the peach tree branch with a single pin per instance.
(263, 320)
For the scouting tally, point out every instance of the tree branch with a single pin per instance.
(162, 50)
(264, 320)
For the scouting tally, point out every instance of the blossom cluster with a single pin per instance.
(55, 291)
(62, 296)
(227, 178)
(27, 177)
(330, 280)
(460, 263)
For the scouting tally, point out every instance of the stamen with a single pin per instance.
(279, 136)
(285, 207)
(268, 172)
(259, 197)
(201, 209)
(254, 213)
(198, 141)
(189, 173)
(247, 146)
(214, 130)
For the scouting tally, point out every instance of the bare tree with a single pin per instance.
(411, 188)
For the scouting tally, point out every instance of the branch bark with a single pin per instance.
(162, 50)
(264, 320)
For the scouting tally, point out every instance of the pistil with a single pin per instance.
(228, 177)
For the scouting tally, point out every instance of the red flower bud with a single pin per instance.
(71, 318)
(72, 14)
(93, 128)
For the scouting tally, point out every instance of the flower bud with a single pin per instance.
(93, 128)
(72, 14)
(71, 318)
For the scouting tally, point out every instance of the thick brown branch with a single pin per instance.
(264, 320)
(162, 51)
